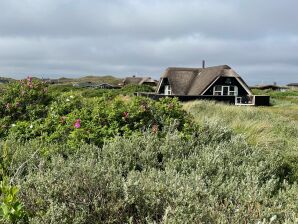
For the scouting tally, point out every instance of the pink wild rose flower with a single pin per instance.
(78, 123)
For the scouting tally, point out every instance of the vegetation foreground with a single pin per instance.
(104, 156)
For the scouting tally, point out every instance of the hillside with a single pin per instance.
(4, 80)
(97, 79)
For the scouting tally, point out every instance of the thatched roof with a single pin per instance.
(137, 80)
(194, 81)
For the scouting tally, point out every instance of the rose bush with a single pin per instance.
(29, 111)
(25, 100)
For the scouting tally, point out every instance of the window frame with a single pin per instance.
(220, 92)
(168, 90)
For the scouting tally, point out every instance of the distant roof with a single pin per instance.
(268, 87)
(138, 80)
(293, 84)
(194, 81)
(105, 84)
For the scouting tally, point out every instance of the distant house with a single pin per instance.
(293, 85)
(85, 85)
(107, 86)
(139, 81)
(271, 87)
(96, 85)
(219, 83)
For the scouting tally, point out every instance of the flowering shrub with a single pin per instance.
(24, 100)
(73, 118)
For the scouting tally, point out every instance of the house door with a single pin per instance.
(225, 90)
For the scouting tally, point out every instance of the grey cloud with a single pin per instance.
(147, 19)
(77, 37)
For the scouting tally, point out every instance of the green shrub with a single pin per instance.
(26, 100)
(101, 118)
(11, 210)
(148, 178)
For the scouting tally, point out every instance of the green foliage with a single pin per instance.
(106, 156)
(23, 101)
(275, 93)
(100, 119)
(11, 209)
(130, 89)
(56, 90)
(146, 178)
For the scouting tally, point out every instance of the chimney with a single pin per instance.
(203, 64)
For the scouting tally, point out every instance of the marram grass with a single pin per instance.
(264, 127)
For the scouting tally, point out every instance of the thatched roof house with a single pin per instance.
(217, 80)
(220, 83)
(139, 81)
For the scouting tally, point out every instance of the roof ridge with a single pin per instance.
(182, 68)
(198, 68)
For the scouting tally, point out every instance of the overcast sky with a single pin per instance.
(72, 38)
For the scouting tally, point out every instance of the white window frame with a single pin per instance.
(233, 93)
(230, 93)
(168, 90)
(217, 91)
(228, 90)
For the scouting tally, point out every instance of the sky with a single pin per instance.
(74, 38)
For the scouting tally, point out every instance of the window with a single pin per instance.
(233, 91)
(168, 90)
(225, 90)
(217, 91)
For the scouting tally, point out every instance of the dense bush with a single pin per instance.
(28, 111)
(74, 119)
(130, 89)
(146, 178)
(11, 208)
(26, 100)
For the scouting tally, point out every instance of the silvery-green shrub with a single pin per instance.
(151, 179)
